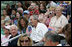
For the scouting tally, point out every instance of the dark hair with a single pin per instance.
(42, 11)
(67, 31)
(14, 9)
(44, 6)
(19, 13)
(12, 6)
(66, 28)
(26, 5)
(26, 23)
(53, 37)
(21, 3)
(5, 10)
(7, 5)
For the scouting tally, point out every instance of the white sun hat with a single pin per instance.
(8, 27)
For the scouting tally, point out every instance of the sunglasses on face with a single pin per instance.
(24, 40)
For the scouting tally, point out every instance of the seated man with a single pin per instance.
(52, 39)
(38, 29)
(14, 32)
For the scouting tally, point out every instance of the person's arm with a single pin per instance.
(64, 22)
(43, 39)
(51, 23)
(68, 17)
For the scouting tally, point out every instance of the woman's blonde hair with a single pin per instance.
(52, 8)
(21, 37)
(59, 7)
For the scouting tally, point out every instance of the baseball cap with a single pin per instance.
(26, 12)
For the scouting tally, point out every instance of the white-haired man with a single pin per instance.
(14, 32)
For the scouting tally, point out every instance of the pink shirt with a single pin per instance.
(4, 39)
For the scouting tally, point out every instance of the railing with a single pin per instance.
(37, 44)
(11, 39)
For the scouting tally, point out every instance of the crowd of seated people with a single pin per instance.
(42, 21)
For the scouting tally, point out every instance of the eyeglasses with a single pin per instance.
(24, 40)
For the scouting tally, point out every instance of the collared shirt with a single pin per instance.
(38, 32)
(60, 22)
(13, 42)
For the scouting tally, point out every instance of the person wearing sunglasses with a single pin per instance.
(24, 41)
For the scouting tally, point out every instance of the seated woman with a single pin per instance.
(67, 31)
(24, 40)
(58, 21)
(6, 36)
(18, 15)
(49, 14)
(22, 24)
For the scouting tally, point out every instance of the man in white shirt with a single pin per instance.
(38, 30)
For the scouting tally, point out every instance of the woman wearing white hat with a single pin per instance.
(6, 36)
